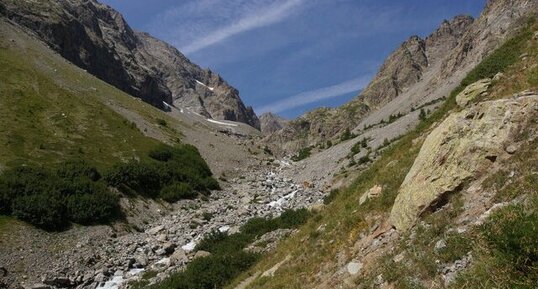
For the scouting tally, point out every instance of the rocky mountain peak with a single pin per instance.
(97, 38)
(270, 123)
(446, 37)
(402, 68)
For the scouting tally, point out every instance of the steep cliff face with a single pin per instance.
(95, 37)
(499, 19)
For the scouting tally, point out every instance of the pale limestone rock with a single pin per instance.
(372, 193)
(201, 254)
(353, 268)
(179, 257)
(472, 91)
(460, 148)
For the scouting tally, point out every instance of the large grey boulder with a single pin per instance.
(461, 148)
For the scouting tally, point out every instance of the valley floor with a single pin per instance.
(158, 240)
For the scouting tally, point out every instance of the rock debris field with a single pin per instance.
(167, 245)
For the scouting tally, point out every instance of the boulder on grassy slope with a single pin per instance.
(472, 91)
(461, 148)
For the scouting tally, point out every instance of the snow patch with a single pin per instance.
(201, 83)
(220, 122)
(172, 107)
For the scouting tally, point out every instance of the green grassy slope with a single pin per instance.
(51, 111)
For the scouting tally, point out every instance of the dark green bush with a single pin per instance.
(170, 165)
(177, 191)
(77, 169)
(228, 259)
(135, 177)
(43, 210)
(356, 148)
(293, 218)
(210, 272)
(162, 153)
(347, 135)
(259, 226)
(302, 154)
(96, 208)
(50, 199)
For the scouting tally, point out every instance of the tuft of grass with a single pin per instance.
(302, 154)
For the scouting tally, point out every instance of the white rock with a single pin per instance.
(353, 268)
(189, 247)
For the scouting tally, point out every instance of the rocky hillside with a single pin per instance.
(451, 204)
(270, 123)
(420, 73)
(96, 38)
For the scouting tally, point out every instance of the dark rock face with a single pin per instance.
(96, 38)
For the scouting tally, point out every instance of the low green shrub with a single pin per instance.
(210, 272)
(77, 169)
(355, 149)
(302, 154)
(228, 259)
(50, 199)
(177, 191)
(96, 208)
(44, 210)
(293, 218)
(169, 166)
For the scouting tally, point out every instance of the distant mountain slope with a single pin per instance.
(405, 67)
(51, 111)
(96, 38)
(418, 73)
(270, 123)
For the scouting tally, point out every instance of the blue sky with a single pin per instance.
(290, 56)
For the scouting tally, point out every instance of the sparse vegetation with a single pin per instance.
(347, 135)
(422, 115)
(302, 154)
(355, 149)
(227, 259)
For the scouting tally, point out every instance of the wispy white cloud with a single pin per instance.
(304, 98)
(200, 24)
